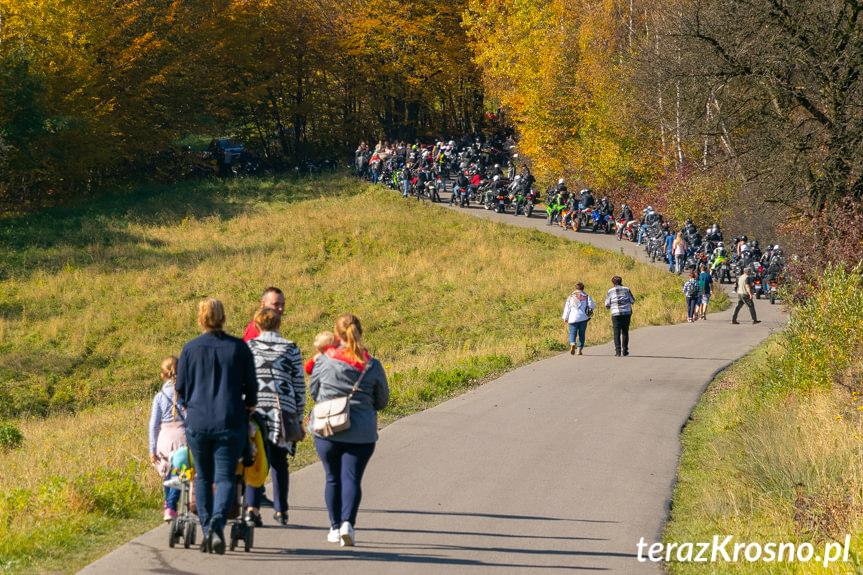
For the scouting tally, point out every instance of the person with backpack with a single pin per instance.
(577, 311)
(693, 295)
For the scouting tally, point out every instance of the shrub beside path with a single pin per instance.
(561, 465)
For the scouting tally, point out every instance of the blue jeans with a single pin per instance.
(216, 456)
(344, 465)
(172, 496)
(407, 183)
(641, 232)
(670, 257)
(691, 306)
(576, 333)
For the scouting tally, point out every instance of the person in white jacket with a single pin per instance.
(577, 312)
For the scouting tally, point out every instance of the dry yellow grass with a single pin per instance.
(446, 301)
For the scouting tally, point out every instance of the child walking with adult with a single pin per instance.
(347, 371)
(167, 432)
(577, 312)
(693, 296)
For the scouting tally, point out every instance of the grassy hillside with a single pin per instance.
(93, 298)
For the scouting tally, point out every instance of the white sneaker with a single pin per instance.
(333, 536)
(346, 532)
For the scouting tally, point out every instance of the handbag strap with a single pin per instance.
(360, 378)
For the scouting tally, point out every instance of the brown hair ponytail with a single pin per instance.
(350, 331)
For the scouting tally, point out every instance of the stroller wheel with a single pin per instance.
(173, 530)
(249, 540)
(189, 534)
(235, 536)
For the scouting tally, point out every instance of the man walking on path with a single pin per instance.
(744, 297)
(619, 300)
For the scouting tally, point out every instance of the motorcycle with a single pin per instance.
(460, 195)
(629, 230)
(501, 201)
(602, 223)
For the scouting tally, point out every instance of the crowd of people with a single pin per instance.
(220, 384)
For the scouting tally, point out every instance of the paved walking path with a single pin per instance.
(560, 466)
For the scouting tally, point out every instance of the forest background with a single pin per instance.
(702, 108)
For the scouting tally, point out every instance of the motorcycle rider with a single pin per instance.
(493, 191)
(585, 199)
(626, 218)
(496, 171)
(557, 197)
(462, 183)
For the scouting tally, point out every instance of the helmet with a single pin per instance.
(649, 208)
(624, 207)
(776, 248)
(754, 243)
(735, 239)
(688, 221)
(560, 181)
(496, 178)
(742, 238)
(720, 245)
(497, 165)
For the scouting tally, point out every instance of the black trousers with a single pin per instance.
(620, 323)
(747, 301)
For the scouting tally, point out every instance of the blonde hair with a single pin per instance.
(168, 370)
(350, 331)
(211, 315)
(324, 340)
(267, 319)
(168, 367)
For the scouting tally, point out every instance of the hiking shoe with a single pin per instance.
(169, 514)
(333, 536)
(572, 349)
(625, 353)
(579, 352)
(757, 321)
(616, 354)
(735, 322)
(346, 533)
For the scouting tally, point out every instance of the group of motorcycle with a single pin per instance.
(765, 269)
(572, 213)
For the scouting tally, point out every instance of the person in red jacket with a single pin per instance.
(272, 298)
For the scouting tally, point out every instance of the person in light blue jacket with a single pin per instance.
(346, 453)
(577, 312)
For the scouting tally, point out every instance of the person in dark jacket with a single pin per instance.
(346, 453)
(217, 384)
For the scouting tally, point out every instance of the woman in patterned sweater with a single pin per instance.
(279, 369)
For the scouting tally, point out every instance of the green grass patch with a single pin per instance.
(773, 451)
(94, 296)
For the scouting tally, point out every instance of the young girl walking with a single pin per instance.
(167, 432)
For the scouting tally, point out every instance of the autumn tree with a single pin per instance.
(770, 91)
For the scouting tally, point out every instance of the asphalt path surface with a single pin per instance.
(563, 465)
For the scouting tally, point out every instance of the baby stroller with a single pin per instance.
(185, 524)
(252, 470)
